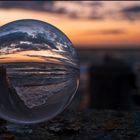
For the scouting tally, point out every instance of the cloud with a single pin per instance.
(4, 57)
(107, 32)
(31, 5)
(92, 10)
(89, 3)
(133, 9)
(96, 16)
(67, 8)
(13, 37)
(80, 9)
(131, 13)
(96, 3)
(43, 57)
(20, 41)
(16, 37)
(55, 58)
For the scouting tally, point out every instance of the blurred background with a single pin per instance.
(106, 35)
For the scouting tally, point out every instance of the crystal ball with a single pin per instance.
(39, 71)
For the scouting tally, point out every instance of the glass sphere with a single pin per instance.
(39, 71)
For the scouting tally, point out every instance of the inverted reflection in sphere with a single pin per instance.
(39, 72)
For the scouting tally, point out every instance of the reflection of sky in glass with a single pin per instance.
(33, 41)
(30, 55)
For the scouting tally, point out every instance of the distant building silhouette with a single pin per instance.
(111, 84)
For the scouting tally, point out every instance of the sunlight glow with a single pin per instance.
(81, 31)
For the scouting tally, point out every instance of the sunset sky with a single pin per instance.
(88, 23)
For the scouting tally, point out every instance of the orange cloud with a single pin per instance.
(34, 56)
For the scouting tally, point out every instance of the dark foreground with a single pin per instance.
(85, 125)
